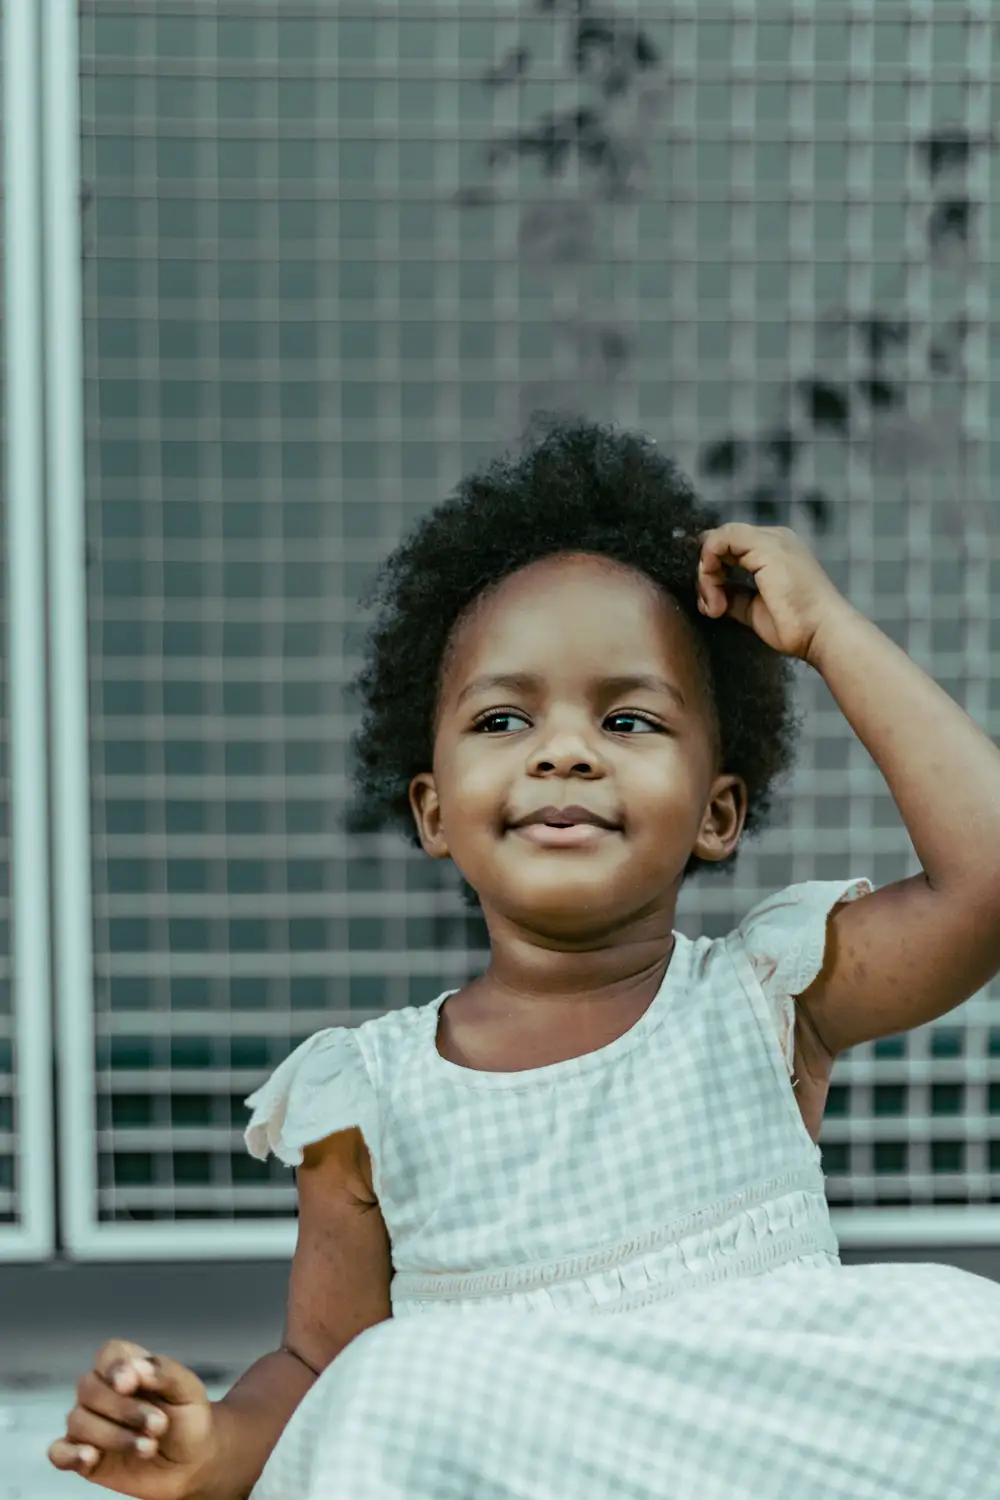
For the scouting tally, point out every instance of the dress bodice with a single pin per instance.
(673, 1157)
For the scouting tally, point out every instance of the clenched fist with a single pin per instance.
(143, 1425)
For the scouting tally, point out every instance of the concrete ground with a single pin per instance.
(217, 1317)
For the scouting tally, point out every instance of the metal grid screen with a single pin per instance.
(335, 254)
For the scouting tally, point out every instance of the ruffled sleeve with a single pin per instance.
(321, 1087)
(784, 938)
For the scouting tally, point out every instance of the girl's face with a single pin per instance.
(541, 705)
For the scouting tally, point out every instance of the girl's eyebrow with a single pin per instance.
(526, 682)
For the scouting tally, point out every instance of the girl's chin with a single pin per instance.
(565, 883)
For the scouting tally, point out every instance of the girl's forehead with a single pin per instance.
(577, 585)
(581, 618)
(568, 584)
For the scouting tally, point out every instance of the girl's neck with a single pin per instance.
(540, 984)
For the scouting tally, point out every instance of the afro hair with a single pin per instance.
(577, 486)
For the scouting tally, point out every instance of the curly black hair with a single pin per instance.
(577, 486)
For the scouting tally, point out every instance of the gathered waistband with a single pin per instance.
(761, 1226)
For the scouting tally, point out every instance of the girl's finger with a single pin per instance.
(79, 1458)
(736, 537)
(94, 1394)
(141, 1371)
(712, 565)
(711, 586)
(739, 605)
(126, 1367)
(709, 601)
(87, 1427)
(721, 553)
(714, 560)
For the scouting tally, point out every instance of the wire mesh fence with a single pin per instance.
(333, 255)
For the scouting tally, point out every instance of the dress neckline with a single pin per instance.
(672, 982)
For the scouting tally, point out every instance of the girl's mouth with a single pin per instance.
(565, 836)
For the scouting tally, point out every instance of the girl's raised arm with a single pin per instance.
(915, 949)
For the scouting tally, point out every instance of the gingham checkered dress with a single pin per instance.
(615, 1277)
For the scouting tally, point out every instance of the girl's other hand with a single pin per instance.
(143, 1425)
(794, 599)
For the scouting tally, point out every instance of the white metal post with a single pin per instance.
(68, 624)
(31, 1237)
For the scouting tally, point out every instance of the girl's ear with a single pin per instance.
(724, 818)
(427, 813)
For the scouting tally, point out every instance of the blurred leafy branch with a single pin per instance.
(593, 153)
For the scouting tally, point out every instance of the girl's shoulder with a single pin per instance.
(323, 1086)
(784, 934)
(329, 1082)
(779, 945)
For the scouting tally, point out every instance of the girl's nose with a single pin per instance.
(567, 753)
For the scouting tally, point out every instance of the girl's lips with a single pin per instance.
(562, 838)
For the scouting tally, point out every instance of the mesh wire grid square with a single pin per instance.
(335, 254)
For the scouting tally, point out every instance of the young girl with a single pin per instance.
(563, 1232)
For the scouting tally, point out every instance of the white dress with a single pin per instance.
(615, 1277)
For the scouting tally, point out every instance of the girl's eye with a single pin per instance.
(636, 719)
(488, 720)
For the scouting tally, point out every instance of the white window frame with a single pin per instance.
(84, 1237)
